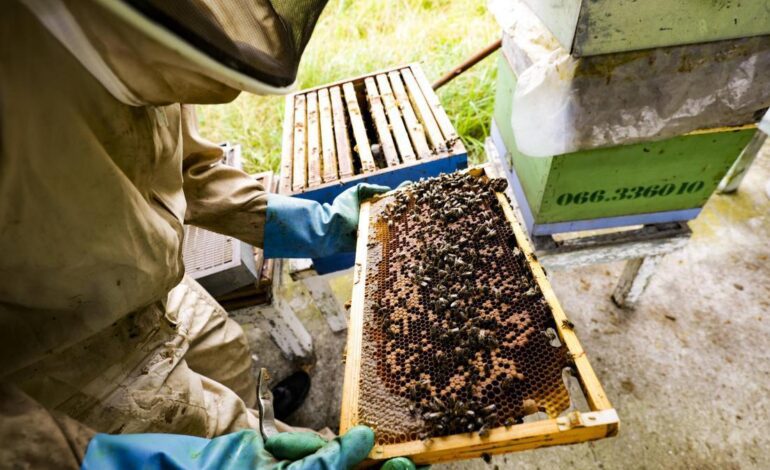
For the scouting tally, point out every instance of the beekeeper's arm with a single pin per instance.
(225, 200)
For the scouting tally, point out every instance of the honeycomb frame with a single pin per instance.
(572, 427)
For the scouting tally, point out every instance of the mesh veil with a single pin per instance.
(263, 39)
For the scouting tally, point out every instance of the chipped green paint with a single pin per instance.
(672, 174)
(592, 27)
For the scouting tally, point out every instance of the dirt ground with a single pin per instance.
(688, 370)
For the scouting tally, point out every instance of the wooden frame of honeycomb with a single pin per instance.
(570, 427)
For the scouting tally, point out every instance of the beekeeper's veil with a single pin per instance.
(192, 51)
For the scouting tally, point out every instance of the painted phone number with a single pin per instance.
(636, 192)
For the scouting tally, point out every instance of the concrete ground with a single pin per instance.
(688, 370)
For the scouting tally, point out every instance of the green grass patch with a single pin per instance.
(357, 37)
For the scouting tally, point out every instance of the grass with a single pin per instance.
(356, 37)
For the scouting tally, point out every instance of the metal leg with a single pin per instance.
(326, 302)
(734, 176)
(636, 275)
(286, 330)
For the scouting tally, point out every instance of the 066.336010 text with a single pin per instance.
(636, 192)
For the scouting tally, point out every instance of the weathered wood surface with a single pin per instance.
(328, 151)
(424, 113)
(286, 330)
(313, 141)
(636, 276)
(416, 132)
(394, 118)
(435, 104)
(650, 240)
(324, 299)
(381, 122)
(287, 148)
(299, 178)
(359, 129)
(341, 137)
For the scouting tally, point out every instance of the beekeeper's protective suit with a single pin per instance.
(99, 168)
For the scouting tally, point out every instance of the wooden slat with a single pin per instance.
(350, 385)
(394, 117)
(416, 132)
(381, 122)
(424, 113)
(359, 130)
(287, 148)
(356, 79)
(501, 440)
(438, 111)
(313, 142)
(299, 179)
(327, 136)
(344, 155)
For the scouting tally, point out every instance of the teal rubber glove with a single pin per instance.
(299, 228)
(240, 450)
(402, 463)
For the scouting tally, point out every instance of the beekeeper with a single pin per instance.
(100, 332)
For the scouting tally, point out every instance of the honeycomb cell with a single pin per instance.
(455, 327)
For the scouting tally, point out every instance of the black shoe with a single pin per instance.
(289, 394)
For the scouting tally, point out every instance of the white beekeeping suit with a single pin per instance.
(100, 165)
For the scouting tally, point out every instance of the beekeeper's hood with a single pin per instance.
(188, 51)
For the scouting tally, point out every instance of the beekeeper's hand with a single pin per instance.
(240, 450)
(299, 228)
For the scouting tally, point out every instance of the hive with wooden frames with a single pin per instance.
(362, 128)
(457, 336)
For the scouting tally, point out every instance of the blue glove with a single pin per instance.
(402, 463)
(240, 450)
(299, 228)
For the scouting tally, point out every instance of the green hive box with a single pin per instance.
(650, 182)
(592, 27)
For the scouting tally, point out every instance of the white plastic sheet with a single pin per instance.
(562, 104)
(764, 124)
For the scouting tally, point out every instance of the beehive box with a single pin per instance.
(384, 128)
(455, 334)
(593, 27)
(652, 182)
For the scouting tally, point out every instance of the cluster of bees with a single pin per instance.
(459, 320)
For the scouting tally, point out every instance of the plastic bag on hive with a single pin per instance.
(563, 104)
